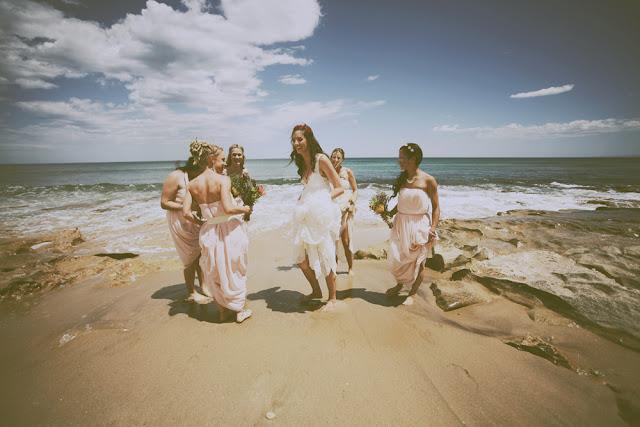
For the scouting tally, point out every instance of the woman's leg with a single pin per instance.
(316, 292)
(415, 286)
(346, 240)
(331, 284)
(189, 281)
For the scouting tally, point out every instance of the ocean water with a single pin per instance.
(117, 205)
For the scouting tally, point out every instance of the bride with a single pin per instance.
(317, 216)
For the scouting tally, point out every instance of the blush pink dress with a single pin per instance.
(408, 247)
(225, 255)
(185, 234)
(343, 202)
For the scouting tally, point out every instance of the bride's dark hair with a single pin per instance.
(191, 166)
(414, 152)
(314, 149)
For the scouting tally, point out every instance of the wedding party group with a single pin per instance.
(209, 200)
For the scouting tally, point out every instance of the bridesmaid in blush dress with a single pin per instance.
(347, 203)
(413, 235)
(223, 237)
(185, 234)
(235, 161)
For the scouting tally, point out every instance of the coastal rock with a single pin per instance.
(435, 263)
(373, 252)
(118, 255)
(59, 241)
(632, 251)
(447, 257)
(613, 263)
(535, 345)
(483, 254)
(559, 283)
(453, 295)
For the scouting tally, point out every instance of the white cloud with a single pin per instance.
(85, 125)
(576, 128)
(372, 78)
(186, 73)
(544, 92)
(292, 80)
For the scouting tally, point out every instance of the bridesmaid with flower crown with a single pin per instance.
(316, 219)
(223, 237)
(413, 235)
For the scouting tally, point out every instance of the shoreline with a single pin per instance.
(100, 352)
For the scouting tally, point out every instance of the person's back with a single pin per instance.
(206, 187)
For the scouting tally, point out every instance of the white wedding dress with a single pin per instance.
(316, 222)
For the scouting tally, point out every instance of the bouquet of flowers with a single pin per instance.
(379, 204)
(247, 189)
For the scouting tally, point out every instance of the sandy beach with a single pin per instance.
(105, 353)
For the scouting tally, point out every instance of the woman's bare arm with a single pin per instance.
(186, 208)
(225, 199)
(432, 192)
(353, 184)
(169, 190)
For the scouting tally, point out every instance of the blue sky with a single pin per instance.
(84, 81)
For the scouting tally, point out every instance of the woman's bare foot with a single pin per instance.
(392, 292)
(311, 296)
(408, 301)
(331, 304)
(199, 298)
(243, 315)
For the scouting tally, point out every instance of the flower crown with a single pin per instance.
(410, 148)
(305, 127)
(199, 148)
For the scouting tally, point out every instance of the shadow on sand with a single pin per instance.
(178, 305)
(377, 298)
(286, 301)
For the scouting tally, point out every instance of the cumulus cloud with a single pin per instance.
(292, 80)
(544, 92)
(576, 128)
(183, 72)
(372, 78)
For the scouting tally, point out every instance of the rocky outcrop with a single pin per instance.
(35, 264)
(452, 295)
(373, 252)
(537, 346)
(583, 265)
(561, 284)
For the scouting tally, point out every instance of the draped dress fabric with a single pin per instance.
(316, 222)
(185, 234)
(408, 247)
(224, 259)
(343, 202)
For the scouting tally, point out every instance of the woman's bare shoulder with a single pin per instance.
(175, 175)
(428, 178)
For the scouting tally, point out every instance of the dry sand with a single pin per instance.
(93, 354)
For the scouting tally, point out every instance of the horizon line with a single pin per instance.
(346, 160)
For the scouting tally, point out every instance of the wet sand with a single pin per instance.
(136, 353)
